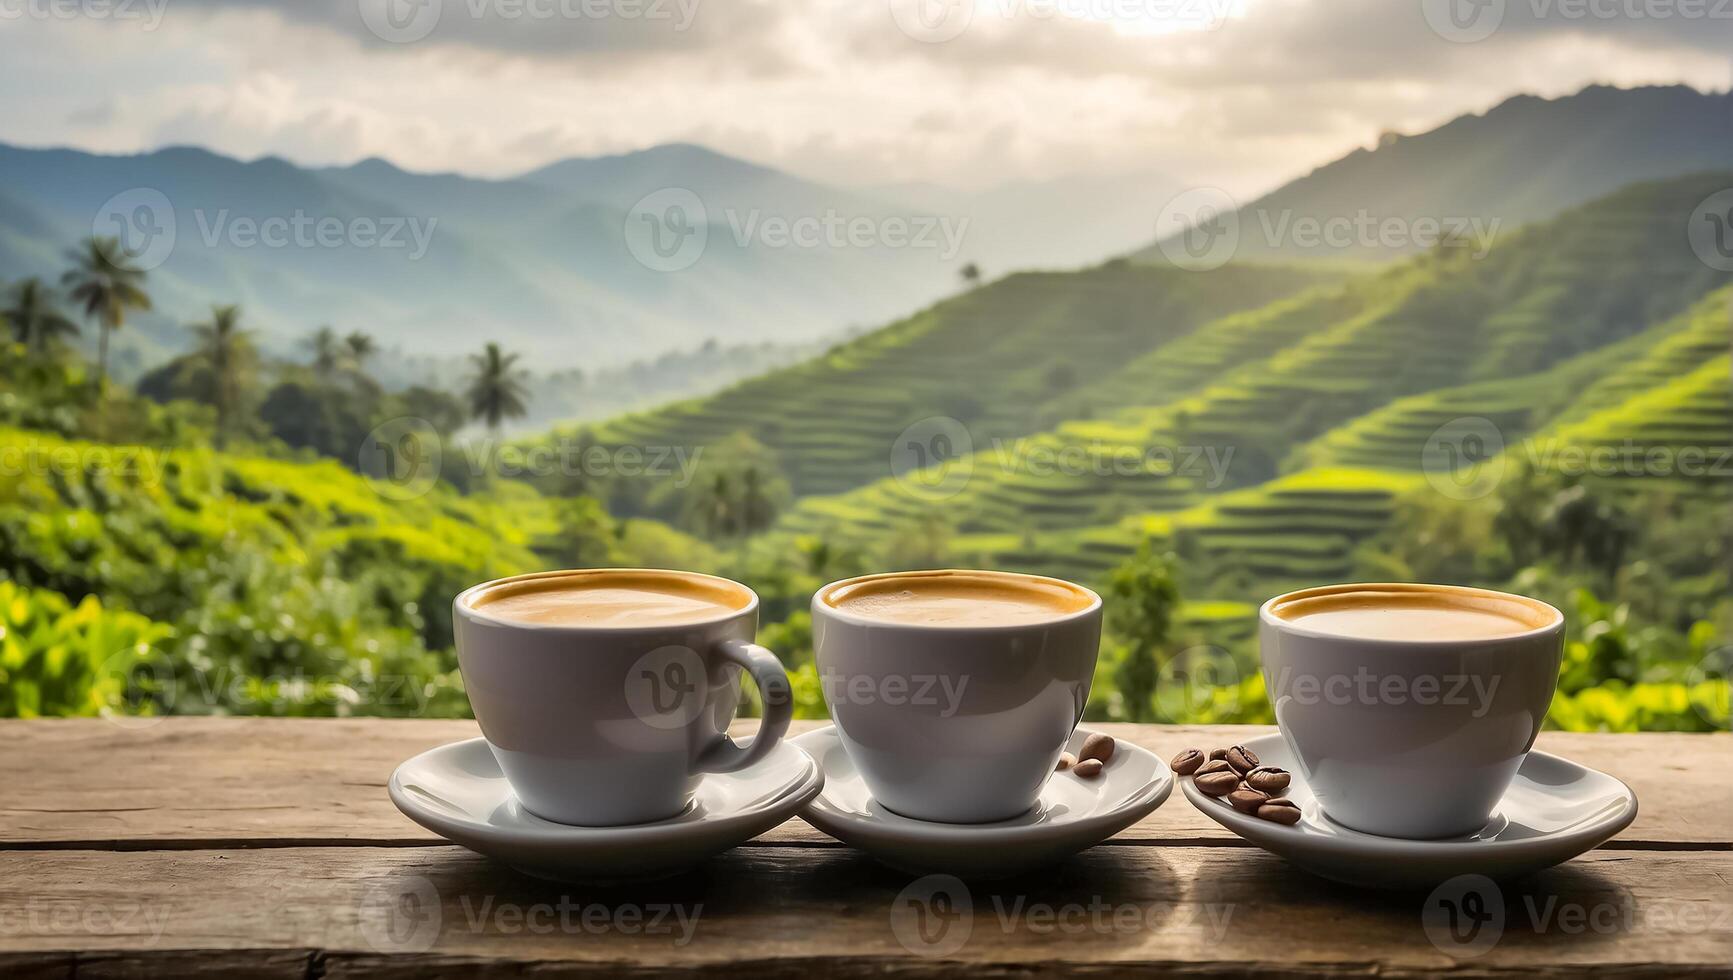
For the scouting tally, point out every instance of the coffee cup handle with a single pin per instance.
(728, 755)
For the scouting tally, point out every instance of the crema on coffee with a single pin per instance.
(612, 598)
(958, 598)
(1412, 612)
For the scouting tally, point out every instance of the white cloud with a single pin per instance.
(832, 89)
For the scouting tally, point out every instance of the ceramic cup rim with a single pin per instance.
(1554, 625)
(821, 606)
(463, 605)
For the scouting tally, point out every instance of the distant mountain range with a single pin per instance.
(1526, 159)
(590, 263)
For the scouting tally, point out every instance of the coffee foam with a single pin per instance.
(1413, 612)
(612, 599)
(958, 598)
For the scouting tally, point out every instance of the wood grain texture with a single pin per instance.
(196, 782)
(774, 911)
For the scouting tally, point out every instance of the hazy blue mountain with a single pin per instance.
(528, 262)
(1526, 159)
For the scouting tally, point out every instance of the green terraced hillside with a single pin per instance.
(993, 359)
(1354, 357)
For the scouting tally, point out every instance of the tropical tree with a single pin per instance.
(360, 347)
(1144, 598)
(498, 388)
(327, 350)
(229, 357)
(106, 287)
(35, 318)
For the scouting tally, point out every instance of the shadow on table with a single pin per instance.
(1111, 901)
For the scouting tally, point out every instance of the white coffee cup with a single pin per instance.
(603, 725)
(1417, 737)
(962, 724)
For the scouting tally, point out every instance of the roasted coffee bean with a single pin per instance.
(1216, 783)
(1269, 779)
(1088, 768)
(1218, 753)
(1214, 765)
(1247, 800)
(1243, 760)
(1280, 810)
(1097, 746)
(1066, 761)
(1187, 762)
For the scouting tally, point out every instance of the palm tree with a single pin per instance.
(229, 356)
(360, 347)
(498, 388)
(106, 287)
(34, 316)
(327, 350)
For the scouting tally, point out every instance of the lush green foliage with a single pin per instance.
(1189, 443)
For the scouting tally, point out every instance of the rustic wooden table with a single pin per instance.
(263, 847)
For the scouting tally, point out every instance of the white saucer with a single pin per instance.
(1072, 813)
(1553, 811)
(458, 792)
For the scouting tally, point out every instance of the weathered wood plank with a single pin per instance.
(768, 911)
(276, 782)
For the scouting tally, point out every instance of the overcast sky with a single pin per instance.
(1241, 93)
